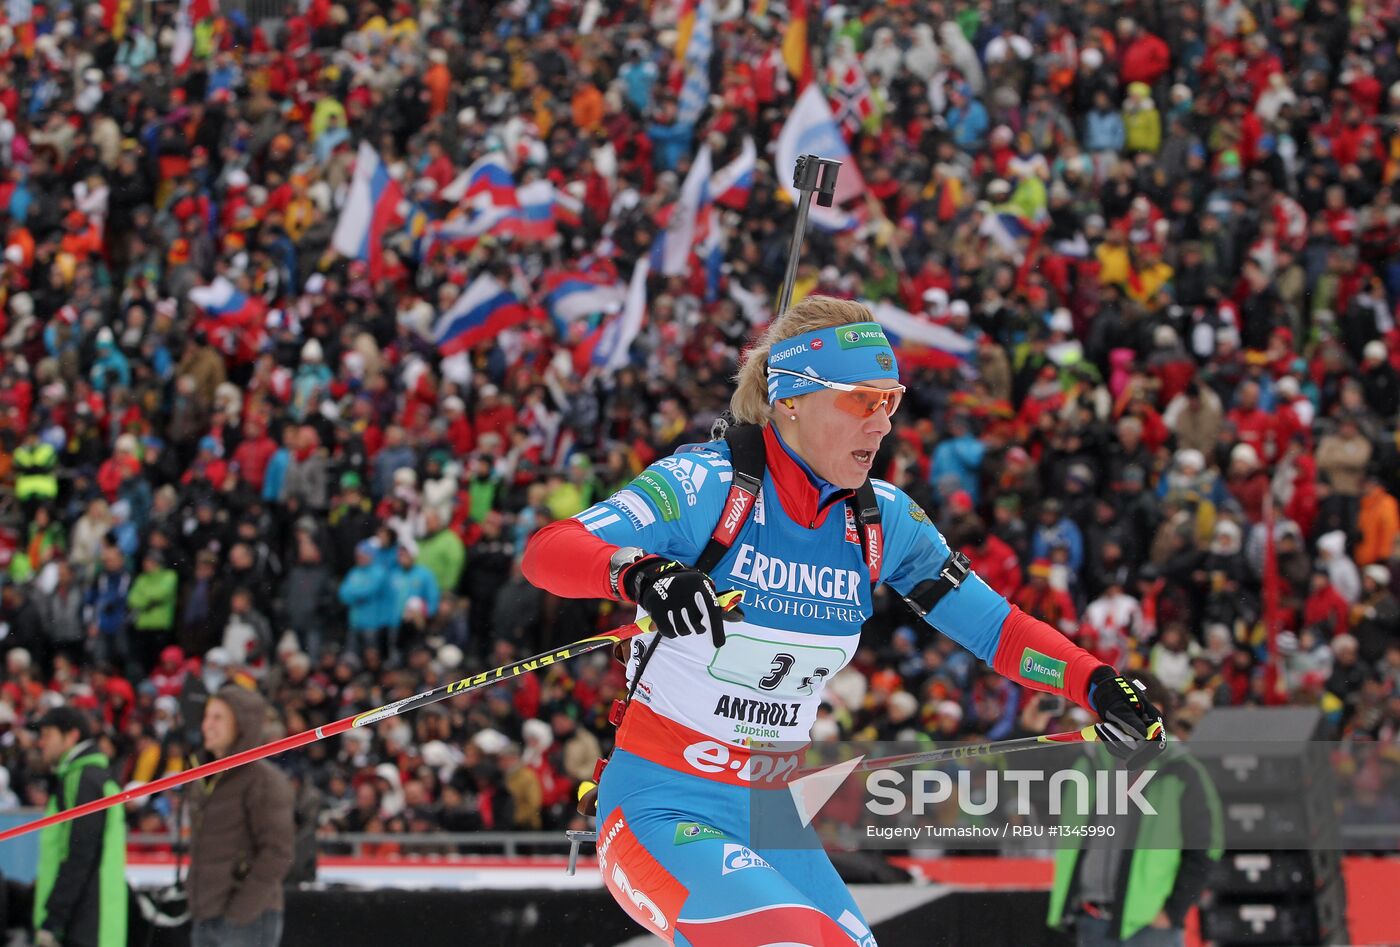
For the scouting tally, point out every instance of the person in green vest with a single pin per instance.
(441, 551)
(80, 888)
(152, 600)
(482, 486)
(36, 471)
(1135, 888)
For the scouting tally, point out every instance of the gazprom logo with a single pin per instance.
(739, 857)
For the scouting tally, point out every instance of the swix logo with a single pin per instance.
(739, 857)
(738, 509)
(711, 757)
(875, 540)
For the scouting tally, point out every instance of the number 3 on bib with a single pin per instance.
(783, 669)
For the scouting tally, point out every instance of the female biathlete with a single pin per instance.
(674, 800)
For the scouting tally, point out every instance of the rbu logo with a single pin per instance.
(739, 857)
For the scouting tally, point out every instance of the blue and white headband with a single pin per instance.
(849, 354)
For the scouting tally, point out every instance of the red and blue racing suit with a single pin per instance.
(674, 801)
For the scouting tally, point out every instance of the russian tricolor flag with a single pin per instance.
(487, 181)
(571, 295)
(370, 211)
(484, 309)
(463, 233)
(533, 219)
(731, 185)
(920, 343)
(222, 300)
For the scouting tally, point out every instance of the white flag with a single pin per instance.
(622, 329)
(811, 130)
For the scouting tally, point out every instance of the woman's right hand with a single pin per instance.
(679, 599)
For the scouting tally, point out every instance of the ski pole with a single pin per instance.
(728, 600)
(967, 751)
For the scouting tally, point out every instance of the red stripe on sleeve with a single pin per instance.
(1019, 632)
(568, 560)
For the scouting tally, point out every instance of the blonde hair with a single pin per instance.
(749, 403)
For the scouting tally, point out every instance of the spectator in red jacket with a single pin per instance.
(1143, 57)
(1255, 427)
(1325, 608)
(992, 559)
(494, 414)
(253, 454)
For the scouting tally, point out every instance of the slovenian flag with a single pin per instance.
(570, 294)
(920, 343)
(486, 182)
(484, 309)
(731, 185)
(370, 212)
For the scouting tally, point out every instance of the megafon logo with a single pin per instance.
(852, 336)
(739, 857)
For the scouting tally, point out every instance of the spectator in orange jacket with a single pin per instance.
(1378, 523)
(1042, 600)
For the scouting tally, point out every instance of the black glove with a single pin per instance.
(680, 600)
(1132, 728)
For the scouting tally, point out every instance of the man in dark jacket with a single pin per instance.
(80, 887)
(241, 846)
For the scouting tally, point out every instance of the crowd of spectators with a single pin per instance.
(1171, 230)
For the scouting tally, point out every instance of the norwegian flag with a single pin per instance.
(852, 98)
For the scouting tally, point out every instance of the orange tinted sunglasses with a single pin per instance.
(862, 401)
